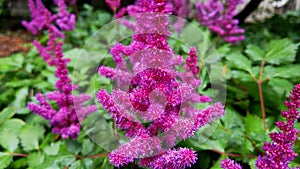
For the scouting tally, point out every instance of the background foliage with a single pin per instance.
(270, 56)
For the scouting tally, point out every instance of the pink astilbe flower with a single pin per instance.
(153, 90)
(219, 18)
(39, 14)
(66, 119)
(64, 19)
(230, 164)
(279, 152)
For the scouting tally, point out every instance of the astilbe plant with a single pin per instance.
(279, 152)
(219, 18)
(156, 92)
(66, 119)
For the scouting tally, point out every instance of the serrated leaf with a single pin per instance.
(6, 114)
(252, 163)
(243, 76)
(35, 159)
(87, 162)
(9, 134)
(76, 165)
(281, 51)
(73, 146)
(253, 124)
(21, 95)
(30, 135)
(237, 60)
(5, 160)
(281, 86)
(232, 119)
(52, 149)
(254, 52)
(11, 63)
(290, 71)
(87, 147)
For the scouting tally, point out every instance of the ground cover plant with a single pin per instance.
(134, 87)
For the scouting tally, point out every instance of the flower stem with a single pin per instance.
(261, 97)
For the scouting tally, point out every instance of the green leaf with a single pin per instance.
(254, 52)
(11, 63)
(252, 163)
(76, 165)
(5, 160)
(21, 95)
(6, 114)
(281, 86)
(290, 71)
(232, 119)
(237, 60)
(30, 135)
(9, 134)
(35, 159)
(52, 149)
(253, 124)
(73, 146)
(281, 51)
(87, 147)
(243, 76)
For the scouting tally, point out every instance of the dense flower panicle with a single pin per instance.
(192, 61)
(64, 19)
(230, 164)
(39, 14)
(219, 18)
(66, 119)
(155, 92)
(172, 158)
(279, 152)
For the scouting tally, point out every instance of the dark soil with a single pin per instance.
(14, 42)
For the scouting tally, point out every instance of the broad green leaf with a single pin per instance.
(281, 86)
(9, 131)
(207, 145)
(6, 114)
(87, 147)
(52, 149)
(5, 160)
(241, 75)
(254, 52)
(21, 95)
(35, 159)
(290, 71)
(281, 51)
(87, 162)
(76, 165)
(73, 146)
(232, 119)
(253, 124)
(239, 61)
(11, 63)
(30, 135)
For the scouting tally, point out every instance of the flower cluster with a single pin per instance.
(42, 18)
(219, 18)
(66, 119)
(279, 152)
(155, 92)
(230, 164)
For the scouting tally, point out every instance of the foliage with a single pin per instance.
(26, 140)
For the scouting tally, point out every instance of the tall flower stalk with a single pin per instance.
(156, 92)
(65, 120)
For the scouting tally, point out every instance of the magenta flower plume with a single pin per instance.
(66, 119)
(219, 18)
(39, 15)
(151, 90)
(64, 19)
(230, 164)
(279, 152)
